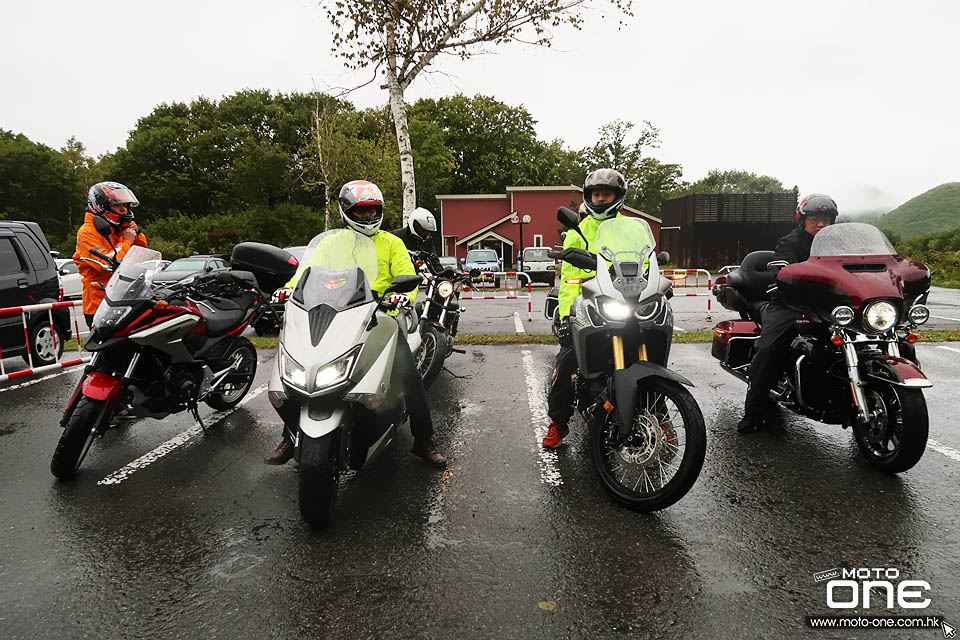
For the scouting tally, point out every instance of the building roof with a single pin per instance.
(473, 196)
(476, 233)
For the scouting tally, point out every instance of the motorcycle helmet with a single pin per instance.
(104, 195)
(816, 204)
(604, 179)
(421, 223)
(360, 193)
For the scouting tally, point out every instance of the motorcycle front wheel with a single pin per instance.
(78, 435)
(429, 357)
(242, 356)
(666, 455)
(319, 478)
(896, 436)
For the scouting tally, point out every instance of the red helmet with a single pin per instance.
(360, 193)
(104, 195)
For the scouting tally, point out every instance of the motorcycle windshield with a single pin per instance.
(851, 239)
(129, 284)
(626, 239)
(337, 271)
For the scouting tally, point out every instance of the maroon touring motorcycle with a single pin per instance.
(853, 362)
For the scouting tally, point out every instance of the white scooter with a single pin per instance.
(335, 366)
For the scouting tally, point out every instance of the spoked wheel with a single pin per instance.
(663, 460)
(896, 436)
(319, 478)
(243, 358)
(429, 357)
(78, 435)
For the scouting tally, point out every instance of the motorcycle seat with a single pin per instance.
(221, 315)
(753, 278)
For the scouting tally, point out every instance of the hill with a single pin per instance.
(930, 212)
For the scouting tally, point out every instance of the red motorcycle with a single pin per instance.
(853, 362)
(162, 349)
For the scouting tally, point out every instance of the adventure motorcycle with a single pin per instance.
(439, 314)
(335, 363)
(647, 436)
(158, 351)
(853, 362)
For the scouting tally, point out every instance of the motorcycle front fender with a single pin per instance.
(897, 371)
(319, 417)
(625, 386)
(100, 386)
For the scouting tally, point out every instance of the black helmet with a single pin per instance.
(604, 179)
(816, 204)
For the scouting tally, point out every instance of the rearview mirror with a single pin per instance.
(474, 272)
(567, 217)
(402, 284)
(103, 227)
(663, 257)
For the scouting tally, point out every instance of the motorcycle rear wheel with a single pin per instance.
(673, 439)
(319, 478)
(243, 355)
(77, 437)
(896, 437)
(429, 357)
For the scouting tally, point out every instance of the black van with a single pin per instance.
(28, 275)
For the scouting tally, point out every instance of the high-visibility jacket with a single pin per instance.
(392, 260)
(94, 272)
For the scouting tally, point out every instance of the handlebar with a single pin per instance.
(113, 262)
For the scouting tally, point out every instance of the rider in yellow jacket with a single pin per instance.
(361, 208)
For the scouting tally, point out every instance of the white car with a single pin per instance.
(536, 264)
(70, 280)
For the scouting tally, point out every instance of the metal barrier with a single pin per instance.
(681, 280)
(48, 307)
(507, 295)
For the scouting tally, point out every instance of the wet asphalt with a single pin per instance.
(510, 542)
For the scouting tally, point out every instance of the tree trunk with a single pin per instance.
(398, 110)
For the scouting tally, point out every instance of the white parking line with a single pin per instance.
(945, 318)
(679, 329)
(950, 452)
(546, 459)
(518, 323)
(32, 382)
(954, 349)
(174, 443)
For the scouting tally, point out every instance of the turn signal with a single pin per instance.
(608, 406)
(160, 305)
(574, 281)
(912, 338)
(837, 339)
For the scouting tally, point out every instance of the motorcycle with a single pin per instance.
(853, 362)
(647, 437)
(439, 314)
(335, 362)
(161, 350)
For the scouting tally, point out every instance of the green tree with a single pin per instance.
(35, 183)
(735, 181)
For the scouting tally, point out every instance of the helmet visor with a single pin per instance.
(120, 195)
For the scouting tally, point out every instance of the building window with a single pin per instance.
(538, 240)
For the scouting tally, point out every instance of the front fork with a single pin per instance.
(856, 382)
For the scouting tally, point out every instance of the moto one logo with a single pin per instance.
(858, 585)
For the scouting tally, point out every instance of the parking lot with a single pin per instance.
(169, 533)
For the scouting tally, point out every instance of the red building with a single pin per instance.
(485, 221)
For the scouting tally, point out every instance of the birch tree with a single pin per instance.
(399, 39)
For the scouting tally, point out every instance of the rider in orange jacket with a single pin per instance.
(114, 203)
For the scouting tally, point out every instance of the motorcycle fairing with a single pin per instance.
(625, 386)
(168, 335)
(898, 371)
(100, 386)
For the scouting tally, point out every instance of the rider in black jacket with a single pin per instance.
(814, 212)
(416, 234)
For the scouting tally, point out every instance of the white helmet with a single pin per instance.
(360, 193)
(421, 223)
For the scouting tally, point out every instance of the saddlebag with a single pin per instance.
(733, 341)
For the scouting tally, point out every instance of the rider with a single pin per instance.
(361, 208)
(114, 203)
(416, 235)
(814, 212)
(604, 192)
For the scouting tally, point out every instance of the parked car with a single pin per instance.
(28, 275)
(538, 265)
(156, 265)
(485, 260)
(192, 266)
(450, 262)
(70, 281)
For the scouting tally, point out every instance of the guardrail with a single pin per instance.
(682, 280)
(517, 290)
(49, 308)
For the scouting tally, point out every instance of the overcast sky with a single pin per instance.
(856, 99)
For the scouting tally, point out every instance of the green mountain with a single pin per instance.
(935, 210)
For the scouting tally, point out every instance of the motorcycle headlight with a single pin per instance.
(919, 314)
(615, 310)
(291, 370)
(647, 310)
(445, 289)
(842, 315)
(334, 373)
(880, 316)
(108, 317)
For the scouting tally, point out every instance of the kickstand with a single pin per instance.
(196, 414)
(455, 375)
